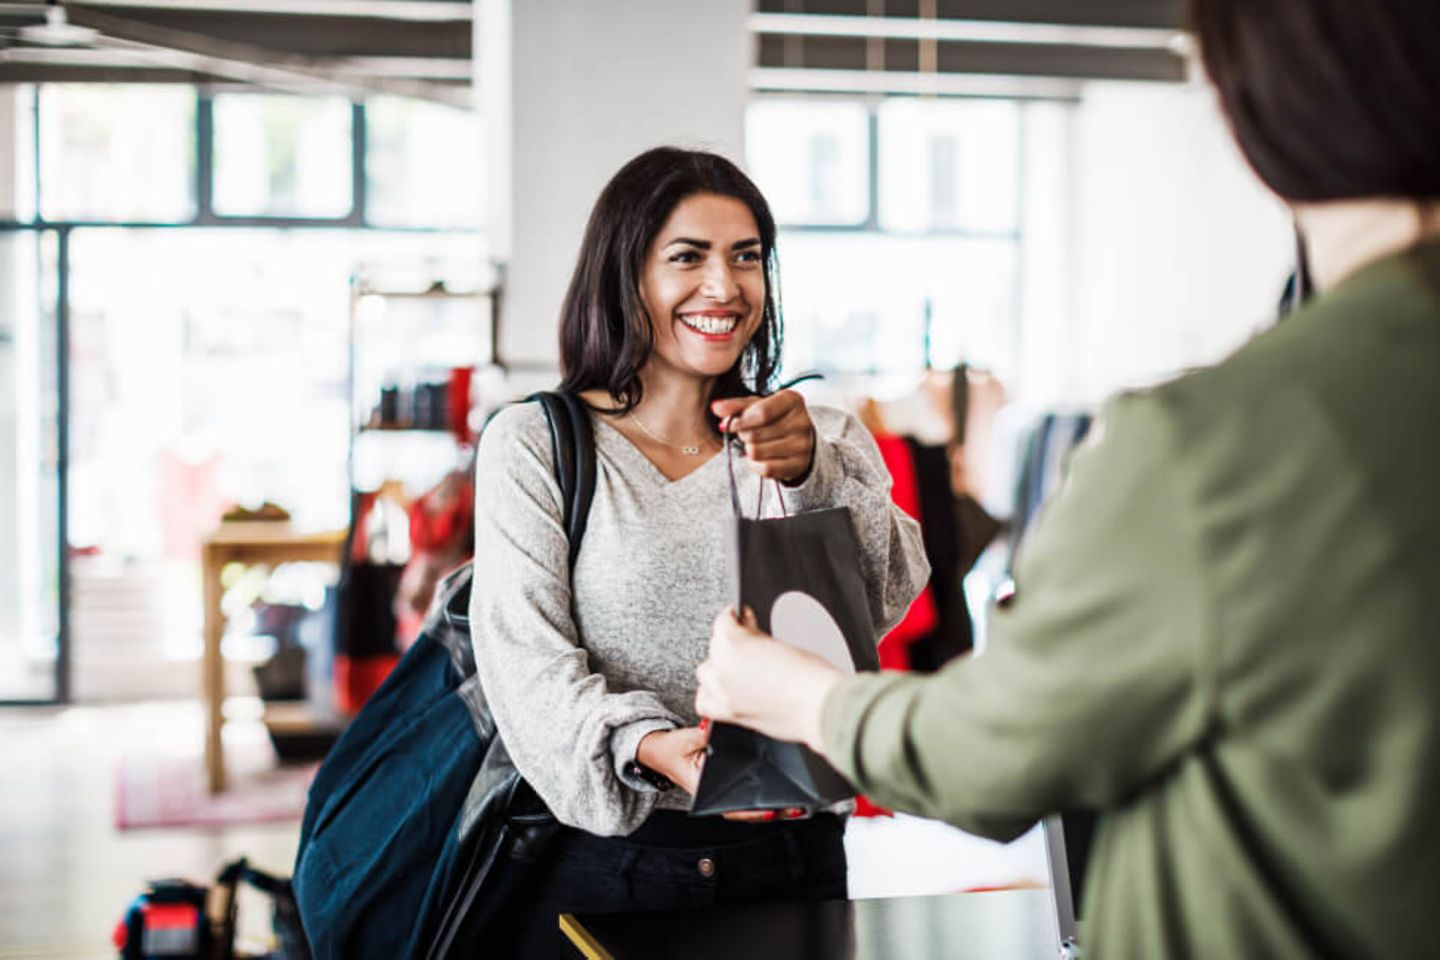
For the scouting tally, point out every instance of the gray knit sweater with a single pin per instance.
(577, 675)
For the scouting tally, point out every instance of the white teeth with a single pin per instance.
(711, 325)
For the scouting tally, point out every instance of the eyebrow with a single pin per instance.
(706, 244)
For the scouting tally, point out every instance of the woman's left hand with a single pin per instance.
(754, 680)
(777, 431)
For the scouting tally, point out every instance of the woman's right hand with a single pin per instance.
(675, 754)
(680, 754)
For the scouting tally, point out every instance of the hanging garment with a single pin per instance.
(921, 618)
(953, 633)
(442, 537)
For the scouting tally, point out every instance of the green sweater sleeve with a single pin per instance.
(1094, 677)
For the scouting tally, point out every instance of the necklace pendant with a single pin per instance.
(690, 451)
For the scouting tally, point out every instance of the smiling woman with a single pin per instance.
(670, 329)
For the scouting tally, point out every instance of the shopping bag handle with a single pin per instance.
(730, 443)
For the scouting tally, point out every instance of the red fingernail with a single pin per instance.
(794, 813)
(704, 723)
(769, 815)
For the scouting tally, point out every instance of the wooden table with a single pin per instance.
(1014, 924)
(249, 542)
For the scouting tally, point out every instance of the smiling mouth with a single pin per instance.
(712, 325)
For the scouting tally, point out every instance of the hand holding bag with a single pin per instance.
(801, 576)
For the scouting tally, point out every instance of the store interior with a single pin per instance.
(275, 264)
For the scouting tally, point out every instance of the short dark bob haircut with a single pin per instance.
(606, 336)
(1329, 99)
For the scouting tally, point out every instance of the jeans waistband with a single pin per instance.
(671, 828)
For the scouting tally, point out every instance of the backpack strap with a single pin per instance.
(572, 446)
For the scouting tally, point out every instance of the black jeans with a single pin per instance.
(674, 862)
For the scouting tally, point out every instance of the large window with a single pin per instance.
(197, 251)
(900, 230)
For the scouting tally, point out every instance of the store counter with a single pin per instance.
(1014, 924)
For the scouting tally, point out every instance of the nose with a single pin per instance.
(719, 282)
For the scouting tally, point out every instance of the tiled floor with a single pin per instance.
(66, 873)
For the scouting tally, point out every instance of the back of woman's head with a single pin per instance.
(605, 334)
(1330, 99)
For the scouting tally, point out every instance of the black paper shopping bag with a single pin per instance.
(801, 576)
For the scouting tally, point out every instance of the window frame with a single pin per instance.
(871, 223)
(357, 217)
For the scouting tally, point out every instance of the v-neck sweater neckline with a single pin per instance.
(610, 439)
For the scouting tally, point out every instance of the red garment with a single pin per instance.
(441, 518)
(356, 678)
(922, 617)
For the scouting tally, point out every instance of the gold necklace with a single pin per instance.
(690, 450)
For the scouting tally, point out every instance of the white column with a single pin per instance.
(9, 149)
(11, 509)
(581, 87)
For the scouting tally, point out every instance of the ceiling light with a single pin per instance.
(57, 30)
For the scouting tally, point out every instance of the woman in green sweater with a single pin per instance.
(1226, 631)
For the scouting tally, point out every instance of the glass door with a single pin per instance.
(31, 648)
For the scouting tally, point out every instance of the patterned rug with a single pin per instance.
(169, 790)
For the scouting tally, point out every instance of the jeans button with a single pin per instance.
(706, 866)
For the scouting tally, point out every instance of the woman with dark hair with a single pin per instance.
(670, 329)
(1224, 630)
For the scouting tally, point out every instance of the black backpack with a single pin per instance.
(419, 833)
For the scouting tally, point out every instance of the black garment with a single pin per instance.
(953, 634)
(957, 530)
(675, 862)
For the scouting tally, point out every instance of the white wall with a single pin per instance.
(1041, 377)
(1178, 253)
(587, 86)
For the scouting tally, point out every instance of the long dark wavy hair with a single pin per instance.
(606, 334)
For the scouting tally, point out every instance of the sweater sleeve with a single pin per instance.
(1095, 678)
(567, 733)
(848, 471)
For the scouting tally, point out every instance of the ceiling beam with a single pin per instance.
(970, 31)
(308, 34)
(182, 50)
(854, 54)
(1161, 14)
(418, 11)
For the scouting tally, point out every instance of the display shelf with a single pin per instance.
(413, 352)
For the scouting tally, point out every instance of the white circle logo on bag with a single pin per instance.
(803, 622)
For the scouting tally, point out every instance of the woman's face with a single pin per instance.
(703, 285)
